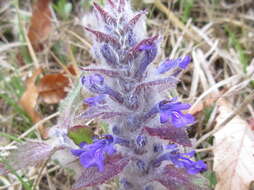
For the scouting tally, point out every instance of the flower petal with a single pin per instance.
(92, 101)
(93, 155)
(77, 152)
(164, 117)
(180, 120)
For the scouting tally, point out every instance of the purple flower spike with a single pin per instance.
(182, 160)
(170, 64)
(171, 111)
(92, 101)
(126, 95)
(93, 155)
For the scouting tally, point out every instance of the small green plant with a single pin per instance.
(63, 8)
(210, 175)
(234, 42)
(12, 90)
(187, 6)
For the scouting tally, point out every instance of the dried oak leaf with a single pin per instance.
(233, 152)
(28, 101)
(53, 87)
(40, 24)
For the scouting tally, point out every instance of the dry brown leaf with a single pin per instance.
(40, 25)
(28, 101)
(52, 88)
(233, 152)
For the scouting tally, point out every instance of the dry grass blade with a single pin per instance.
(171, 16)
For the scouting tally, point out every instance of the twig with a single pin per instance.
(73, 60)
(5, 47)
(204, 149)
(37, 180)
(31, 51)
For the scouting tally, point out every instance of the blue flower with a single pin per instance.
(169, 64)
(92, 101)
(171, 111)
(93, 155)
(182, 160)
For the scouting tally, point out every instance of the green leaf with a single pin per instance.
(81, 134)
(235, 42)
(187, 7)
(67, 9)
(210, 175)
(63, 8)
